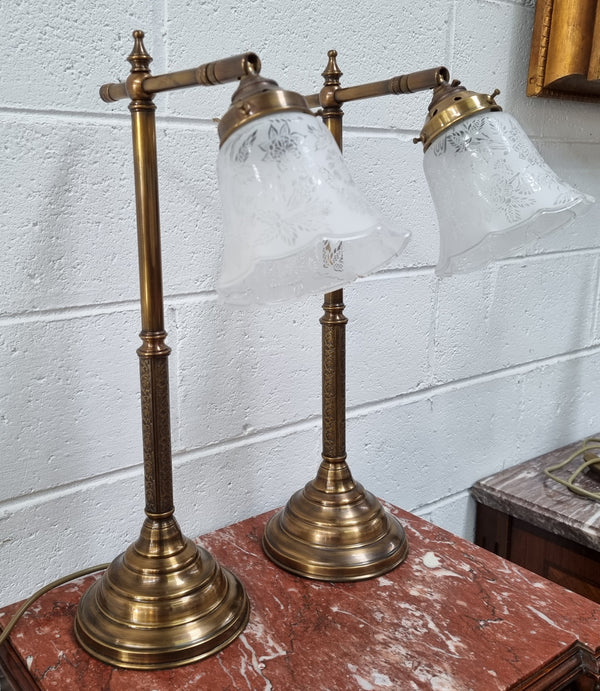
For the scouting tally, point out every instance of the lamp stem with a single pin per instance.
(153, 353)
(333, 321)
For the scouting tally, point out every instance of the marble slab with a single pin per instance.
(453, 617)
(525, 492)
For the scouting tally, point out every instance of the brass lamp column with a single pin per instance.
(165, 601)
(333, 529)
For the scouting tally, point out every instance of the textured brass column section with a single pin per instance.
(333, 375)
(333, 529)
(165, 601)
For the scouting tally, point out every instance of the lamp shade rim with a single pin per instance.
(499, 244)
(237, 298)
(236, 291)
(317, 241)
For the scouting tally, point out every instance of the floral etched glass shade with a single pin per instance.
(294, 221)
(493, 192)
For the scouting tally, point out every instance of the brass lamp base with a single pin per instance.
(334, 530)
(163, 603)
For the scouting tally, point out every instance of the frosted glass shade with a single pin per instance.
(294, 221)
(493, 192)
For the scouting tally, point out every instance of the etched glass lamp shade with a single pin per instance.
(492, 191)
(294, 221)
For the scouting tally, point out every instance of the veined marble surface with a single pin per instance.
(453, 617)
(525, 492)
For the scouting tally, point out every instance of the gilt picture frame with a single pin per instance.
(565, 50)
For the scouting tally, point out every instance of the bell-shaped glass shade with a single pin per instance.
(294, 221)
(493, 192)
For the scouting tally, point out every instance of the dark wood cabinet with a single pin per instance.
(532, 520)
(563, 561)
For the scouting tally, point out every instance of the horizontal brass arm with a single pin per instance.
(404, 84)
(217, 72)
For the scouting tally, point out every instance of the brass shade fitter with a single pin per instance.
(164, 601)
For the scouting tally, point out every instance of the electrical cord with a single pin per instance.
(42, 591)
(586, 450)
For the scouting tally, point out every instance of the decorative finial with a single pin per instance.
(139, 57)
(332, 72)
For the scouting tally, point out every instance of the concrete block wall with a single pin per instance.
(448, 380)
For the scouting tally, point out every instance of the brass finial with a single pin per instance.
(139, 57)
(332, 72)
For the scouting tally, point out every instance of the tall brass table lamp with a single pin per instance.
(165, 601)
(333, 529)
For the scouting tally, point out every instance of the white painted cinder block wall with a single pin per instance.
(448, 380)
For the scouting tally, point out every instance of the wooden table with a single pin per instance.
(536, 522)
(453, 617)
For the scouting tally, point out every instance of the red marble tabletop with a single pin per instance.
(453, 617)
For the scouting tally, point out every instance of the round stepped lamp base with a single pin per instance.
(335, 530)
(163, 603)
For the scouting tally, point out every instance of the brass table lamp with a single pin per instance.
(306, 228)
(333, 529)
(165, 601)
